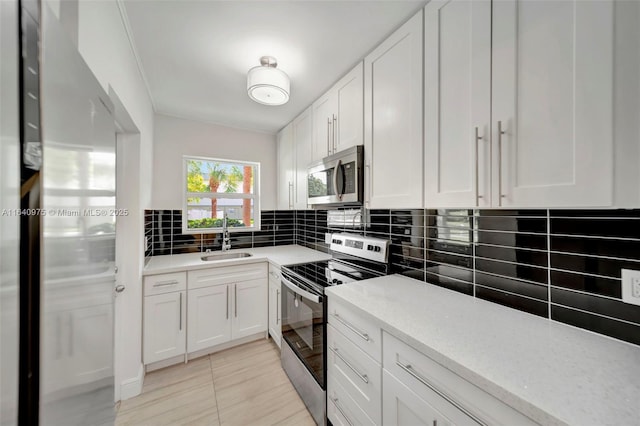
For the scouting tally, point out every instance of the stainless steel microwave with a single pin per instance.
(337, 179)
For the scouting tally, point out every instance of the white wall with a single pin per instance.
(175, 137)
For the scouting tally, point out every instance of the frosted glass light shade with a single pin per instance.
(268, 85)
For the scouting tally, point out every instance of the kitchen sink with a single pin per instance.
(225, 256)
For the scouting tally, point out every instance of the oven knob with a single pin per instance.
(334, 281)
(338, 282)
(369, 247)
(377, 249)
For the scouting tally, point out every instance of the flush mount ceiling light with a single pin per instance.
(268, 85)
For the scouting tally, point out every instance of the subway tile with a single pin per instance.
(512, 254)
(450, 246)
(524, 288)
(609, 213)
(597, 285)
(592, 265)
(535, 307)
(513, 270)
(599, 324)
(595, 304)
(510, 239)
(450, 258)
(507, 213)
(610, 228)
(459, 274)
(447, 282)
(625, 249)
(511, 224)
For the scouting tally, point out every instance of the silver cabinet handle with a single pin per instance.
(277, 306)
(335, 402)
(335, 133)
(180, 328)
(368, 195)
(409, 369)
(478, 138)
(235, 299)
(165, 283)
(70, 335)
(363, 377)
(500, 133)
(328, 136)
(227, 302)
(364, 336)
(290, 195)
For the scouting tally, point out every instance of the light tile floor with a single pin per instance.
(240, 386)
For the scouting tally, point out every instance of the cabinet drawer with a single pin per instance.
(358, 328)
(165, 283)
(356, 372)
(431, 381)
(274, 274)
(342, 409)
(227, 274)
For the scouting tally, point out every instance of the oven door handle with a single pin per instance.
(313, 297)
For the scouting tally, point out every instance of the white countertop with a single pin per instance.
(551, 372)
(277, 255)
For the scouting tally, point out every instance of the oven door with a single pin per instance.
(303, 327)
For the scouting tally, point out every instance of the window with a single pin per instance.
(213, 187)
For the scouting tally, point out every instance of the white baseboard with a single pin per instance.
(132, 387)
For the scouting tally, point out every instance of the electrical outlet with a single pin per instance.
(631, 286)
(327, 237)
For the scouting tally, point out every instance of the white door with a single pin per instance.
(323, 112)
(164, 326)
(349, 115)
(402, 407)
(393, 120)
(249, 308)
(285, 168)
(552, 103)
(208, 317)
(303, 138)
(457, 67)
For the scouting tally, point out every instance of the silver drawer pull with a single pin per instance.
(363, 377)
(165, 283)
(335, 402)
(409, 369)
(365, 336)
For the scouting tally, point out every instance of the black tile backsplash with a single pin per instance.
(558, 264)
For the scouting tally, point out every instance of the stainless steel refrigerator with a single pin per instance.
(58, 173)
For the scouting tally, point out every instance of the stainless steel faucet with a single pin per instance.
(226, 241)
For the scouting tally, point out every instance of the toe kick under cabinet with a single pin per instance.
(204, 310)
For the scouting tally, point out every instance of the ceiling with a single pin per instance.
(195, 54)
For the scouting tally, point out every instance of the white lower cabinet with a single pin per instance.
(193, 311)
(275, 300)
(164, 326)
(417, 390)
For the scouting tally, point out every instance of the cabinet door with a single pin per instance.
(249, 308)
(393, 120)
(401, 406)
(552, 103)
(349, 123)
(323, 111)
(285, 168)
(90, 344)
(164, 326)
(274, 311)
(302, 136)
(457, 103)
(208, 316)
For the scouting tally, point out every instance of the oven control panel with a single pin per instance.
(370, 248)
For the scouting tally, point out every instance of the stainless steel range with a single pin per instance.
(304, 310)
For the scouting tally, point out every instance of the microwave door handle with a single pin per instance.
(337, 170)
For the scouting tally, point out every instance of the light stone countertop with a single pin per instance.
(276, 255)
(551, 372)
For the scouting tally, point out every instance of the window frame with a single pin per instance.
(220, 195)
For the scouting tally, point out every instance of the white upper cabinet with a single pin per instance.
(457, 103)
(519, 104)
(286, 158)
(393, 120)
(338, 116)
(302, 137)
(552, 103)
